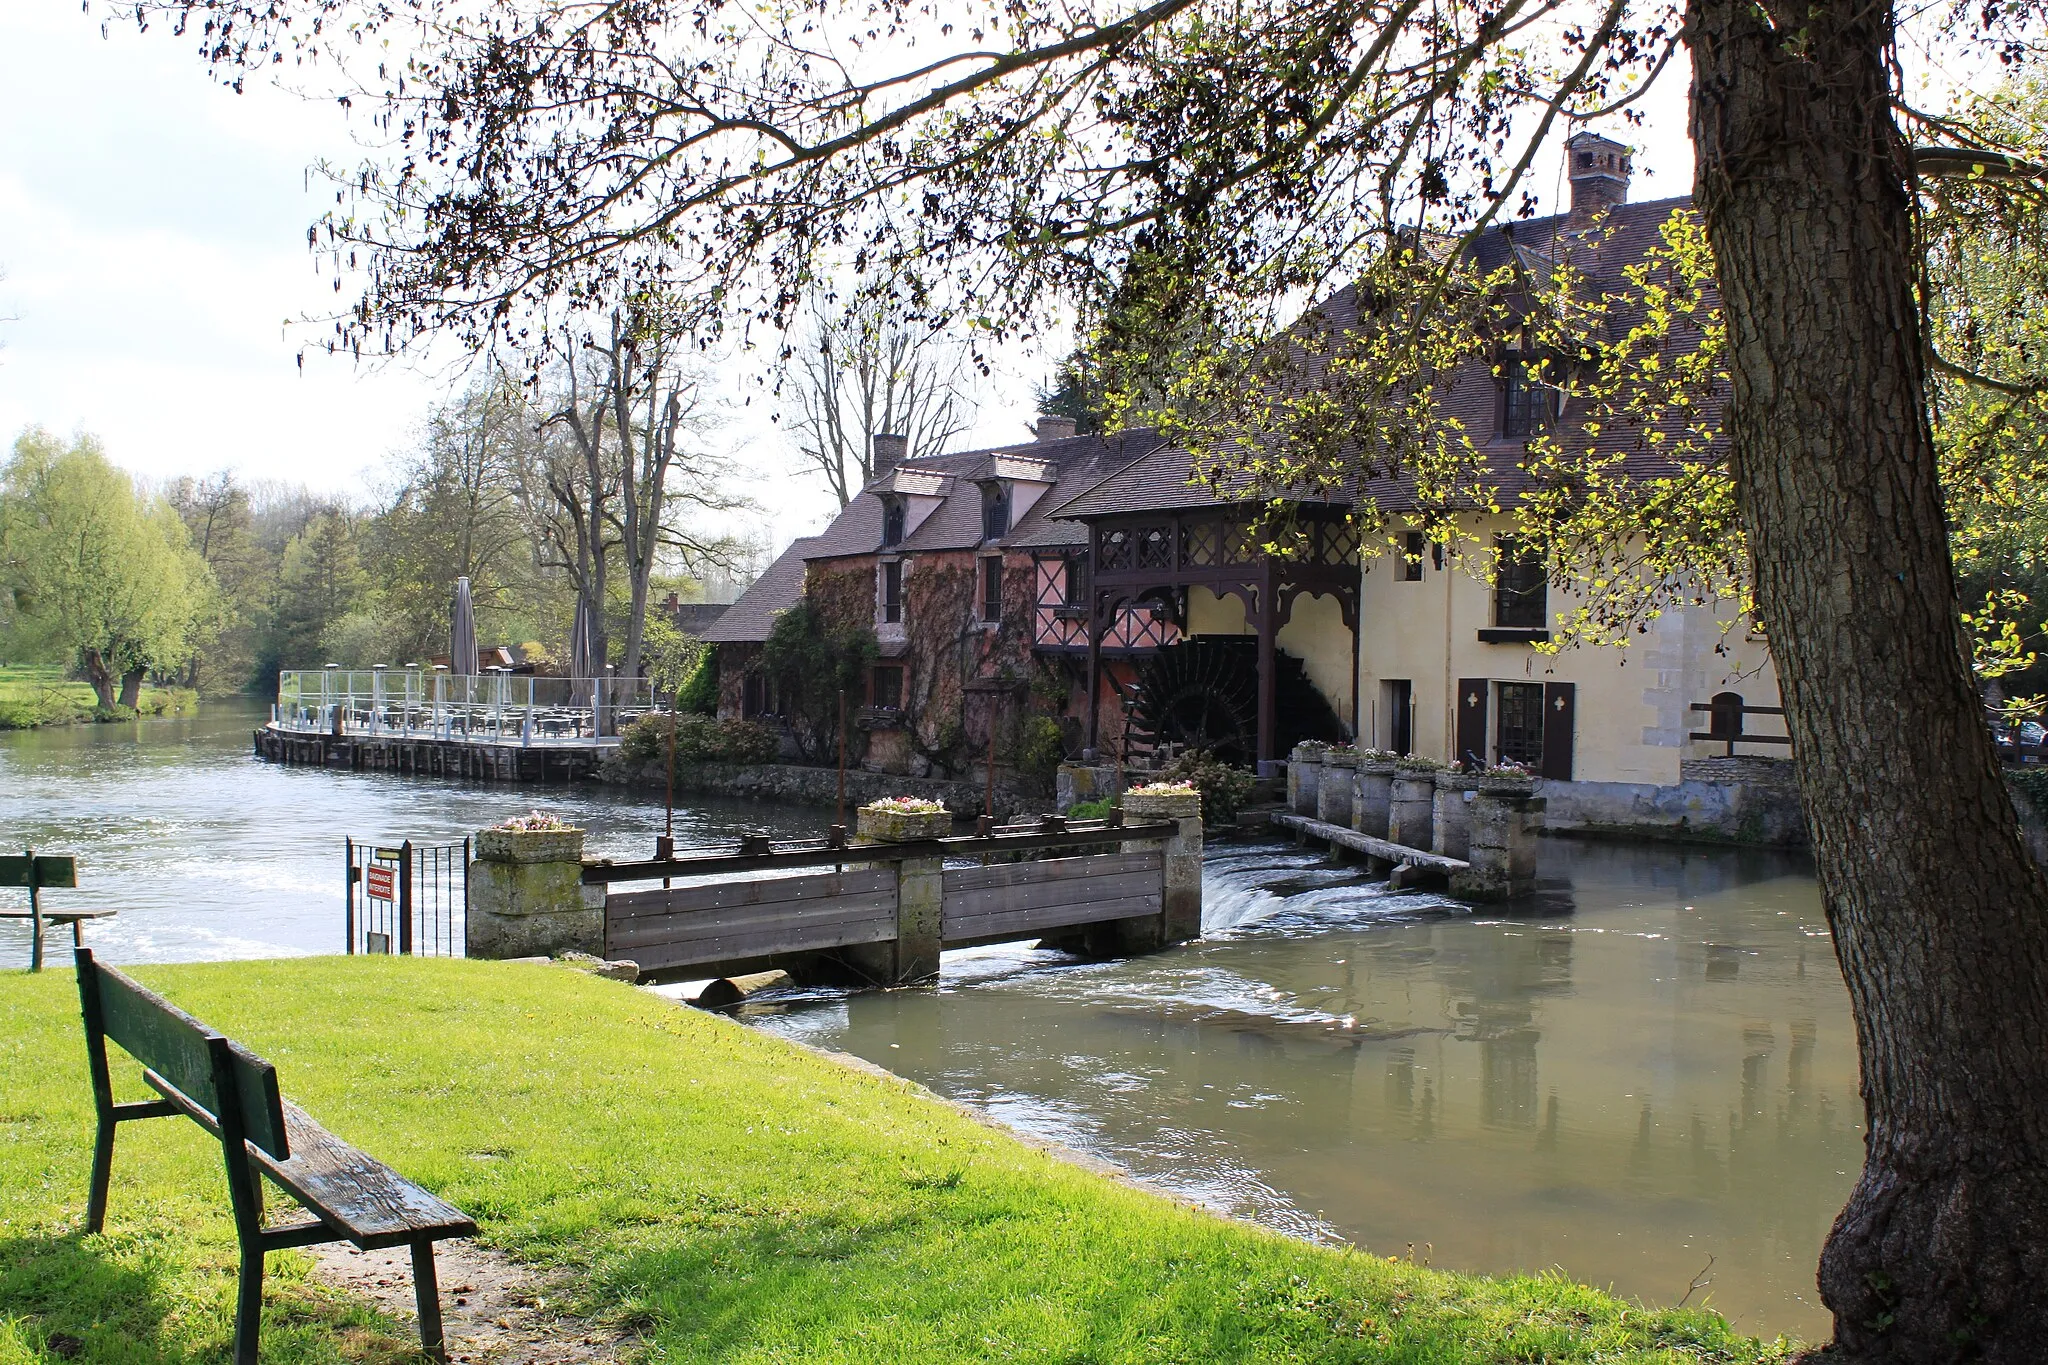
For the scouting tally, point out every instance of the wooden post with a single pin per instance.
(1094, 672)
(988, 799)
(1269, 629)
(35, 914)
(839, 805)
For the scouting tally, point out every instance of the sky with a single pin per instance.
(153, 242)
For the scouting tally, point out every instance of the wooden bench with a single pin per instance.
(35, 871)
(233, 1094)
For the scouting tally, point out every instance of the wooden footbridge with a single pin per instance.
(882, 913)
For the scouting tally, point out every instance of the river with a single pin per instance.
(1648, 1068)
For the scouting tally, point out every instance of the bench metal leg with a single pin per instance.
(428, 1291)
(249, 1306)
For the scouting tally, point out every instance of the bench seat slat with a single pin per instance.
(373, 1204)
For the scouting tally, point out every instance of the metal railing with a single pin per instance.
(405, 898)
(495, 705)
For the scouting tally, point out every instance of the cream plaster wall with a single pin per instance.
(1631, 704)
(1315, 633)
(1209, 614)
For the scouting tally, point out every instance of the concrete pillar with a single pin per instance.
(919, 891)
(1506, 818)
(1411, 807)
(527, 899)
(1304, 777)
(1453, 823)
(1372, 795)
(1333, 787)
(1181, 917)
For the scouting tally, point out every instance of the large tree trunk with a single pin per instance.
(99, 675)
(1940, 918)
(131, 687)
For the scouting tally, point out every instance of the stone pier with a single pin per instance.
(526, 896)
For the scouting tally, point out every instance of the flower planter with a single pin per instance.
(1334, 790)
(898, 827)
(1505, 785)
(1139, 807)
(529, 846)
(1372, 795)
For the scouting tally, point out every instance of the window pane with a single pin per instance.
(1521, 724)
(1412, 549)
(991, 589)
(1521, 593)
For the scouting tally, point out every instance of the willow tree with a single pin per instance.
(1221, 162)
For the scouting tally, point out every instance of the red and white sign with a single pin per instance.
(383, 883)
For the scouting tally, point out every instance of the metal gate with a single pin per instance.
(406, 898)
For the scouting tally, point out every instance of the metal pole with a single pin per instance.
(839, 808)
(405, 898)
(348, 892)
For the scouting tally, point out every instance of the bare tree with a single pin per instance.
(863, 370)
(635, 406)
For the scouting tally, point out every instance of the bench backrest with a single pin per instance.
(185, 1052)
(38, 870)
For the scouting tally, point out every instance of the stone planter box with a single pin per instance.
(1140, 808)
(529, 846)
(1506, 786)
(1411, 807)
(1372, 795)
(1333, 791)
(900, 827)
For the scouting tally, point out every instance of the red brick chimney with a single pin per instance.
(1599, 169)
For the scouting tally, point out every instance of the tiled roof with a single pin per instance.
(694, 618)
(1160, 481)
(776, 590)
(1069, 464)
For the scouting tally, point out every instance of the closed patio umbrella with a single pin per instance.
(462, 633)
(579, 655)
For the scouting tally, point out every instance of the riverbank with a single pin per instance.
(718, 1192)
(32, 697)
(795, 784)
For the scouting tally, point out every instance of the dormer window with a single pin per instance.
(1526, 403)
(995, 510)
(893, 516)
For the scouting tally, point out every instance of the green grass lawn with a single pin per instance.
(33, 695)
(730, 1196)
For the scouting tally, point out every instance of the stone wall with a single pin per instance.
(792, 784)
(1741, 800)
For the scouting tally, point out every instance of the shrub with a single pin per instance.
(1224, 788)
(699, 694)
(699, 739)
(1088, 810)
(1041, 748)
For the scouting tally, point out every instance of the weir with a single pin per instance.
(874, 912)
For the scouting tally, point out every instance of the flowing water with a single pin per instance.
(1648, 1068)
(1650, 1065)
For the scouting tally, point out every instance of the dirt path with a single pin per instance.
(495, 1311)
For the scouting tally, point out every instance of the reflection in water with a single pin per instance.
(1651, 1064)
(208, 853)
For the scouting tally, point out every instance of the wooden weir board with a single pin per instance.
(1370, 846)
(1054, 893)
(730, 921)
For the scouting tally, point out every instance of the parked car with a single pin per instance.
(2026, 742)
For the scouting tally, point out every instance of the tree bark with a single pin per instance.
(131, 687)
(99, 676)
(1940, 918)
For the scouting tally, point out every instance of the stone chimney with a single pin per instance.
(1051, 428)
(1599, 169)
(886, 450)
